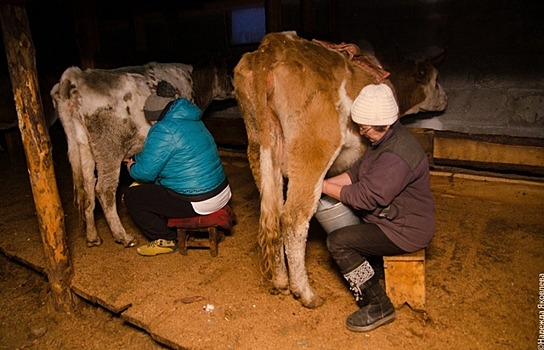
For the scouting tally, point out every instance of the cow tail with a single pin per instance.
(271, 187)
(67, 112)
(270, 238)
(251, 92)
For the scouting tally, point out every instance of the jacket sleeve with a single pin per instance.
(353, 171)
(156, 153)
(379, 185)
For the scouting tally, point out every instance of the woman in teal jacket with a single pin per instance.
(179, 172)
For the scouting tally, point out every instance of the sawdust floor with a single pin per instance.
(482, 279)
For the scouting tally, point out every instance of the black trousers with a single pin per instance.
(151, 205)
(350, 246)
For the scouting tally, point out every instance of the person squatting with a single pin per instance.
(178, 173)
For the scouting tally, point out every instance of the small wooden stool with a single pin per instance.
(214, 224)
(405, 279)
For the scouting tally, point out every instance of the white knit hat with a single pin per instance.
(375, 106)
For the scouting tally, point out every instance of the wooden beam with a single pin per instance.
(273, 15)
(333, 16)
(87, 38)
(21, 59)
(308, 15)
(490, 152)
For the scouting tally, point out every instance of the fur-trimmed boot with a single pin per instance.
(376, 308)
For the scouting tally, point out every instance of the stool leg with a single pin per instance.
(212, 230)
(182, 241)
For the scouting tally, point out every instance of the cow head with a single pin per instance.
(416, 81)
(223, 88)
(212, 81)
(417, 88)
(415, 78)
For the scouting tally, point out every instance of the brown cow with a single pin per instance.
(295, 97)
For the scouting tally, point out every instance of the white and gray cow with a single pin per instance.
(101, 112)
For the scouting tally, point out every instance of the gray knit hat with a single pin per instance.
(375, 106)
(156, 102)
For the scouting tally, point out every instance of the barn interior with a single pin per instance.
(491, 71)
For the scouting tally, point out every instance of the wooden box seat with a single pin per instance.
(405, 279)
(214, 224)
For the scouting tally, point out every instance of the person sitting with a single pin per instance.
(390, 185)
(178, 172)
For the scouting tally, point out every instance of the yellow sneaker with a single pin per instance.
(158, 246)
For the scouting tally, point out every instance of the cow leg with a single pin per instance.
(270, 238)
(86, 200)
(310, 149)
(83, 165)
(264, 156)
(295, 223)
(270, 234)
(280, 278)
(106, 189)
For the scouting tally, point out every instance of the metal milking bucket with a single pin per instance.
(333, 214)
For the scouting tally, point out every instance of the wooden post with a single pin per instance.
(86, 33)
(333, 16)
(308, 16)
(273, 15)
(21, 59)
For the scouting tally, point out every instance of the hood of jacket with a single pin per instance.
(182, 109)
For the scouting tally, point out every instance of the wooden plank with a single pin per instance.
(487, 152)
(415, 256)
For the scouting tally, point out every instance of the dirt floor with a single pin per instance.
(482, 279)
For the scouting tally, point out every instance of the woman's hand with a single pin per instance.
(129, 161)
(332, 186)
(331, 189)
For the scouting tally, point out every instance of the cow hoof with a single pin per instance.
(278, 291)
(128, 243)
(131, 244)
(316, 302)
(96, 242)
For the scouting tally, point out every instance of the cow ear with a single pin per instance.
(218, 60)
(433, 54)
(438, 57)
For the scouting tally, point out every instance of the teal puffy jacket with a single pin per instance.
(180, 153)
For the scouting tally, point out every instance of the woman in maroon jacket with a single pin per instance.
(390, 186)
